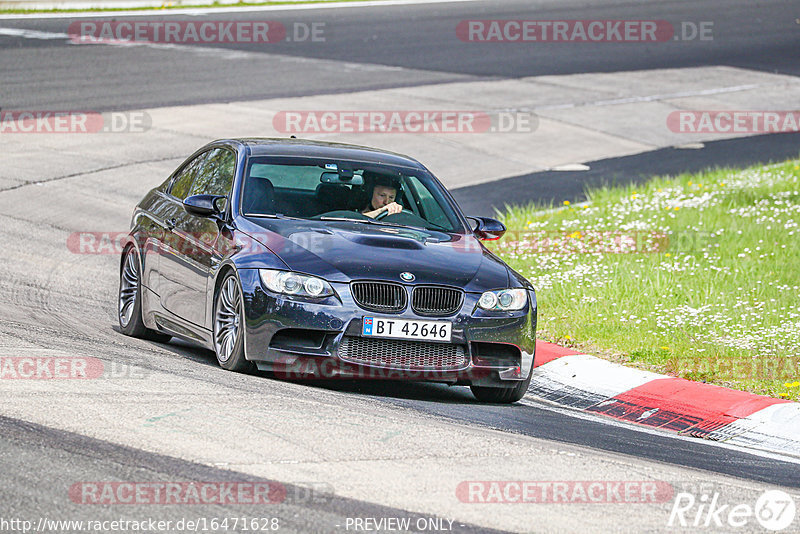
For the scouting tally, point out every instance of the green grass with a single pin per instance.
(695, 276)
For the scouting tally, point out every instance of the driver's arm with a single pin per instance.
(374, 213)
(392, 208)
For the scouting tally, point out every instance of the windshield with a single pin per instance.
(327, 190)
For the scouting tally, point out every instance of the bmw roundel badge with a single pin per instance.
(406, 276)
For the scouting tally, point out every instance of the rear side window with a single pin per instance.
(183, 181)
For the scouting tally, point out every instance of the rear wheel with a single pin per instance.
(229, 326)
(129, 303)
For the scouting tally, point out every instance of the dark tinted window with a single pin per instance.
(320, 189)
(183, 182)
(298, 177)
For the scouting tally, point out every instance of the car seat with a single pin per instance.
(332, 197)
(259, 196)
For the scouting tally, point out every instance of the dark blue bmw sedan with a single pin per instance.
(312, 259)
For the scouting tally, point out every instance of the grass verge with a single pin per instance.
(694, 276)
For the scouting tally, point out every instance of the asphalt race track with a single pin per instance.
(484, 199)
(340, 450)
(414, 44)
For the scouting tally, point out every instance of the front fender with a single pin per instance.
(244, 254)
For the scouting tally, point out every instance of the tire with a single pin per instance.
(229, 326)
(503, 395)
(129, 300)
(500, 395)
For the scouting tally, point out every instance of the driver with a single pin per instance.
(384, 193)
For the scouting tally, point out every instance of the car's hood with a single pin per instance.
(342, 251)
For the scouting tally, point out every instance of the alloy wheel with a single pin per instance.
(226, 319)
(128, 288)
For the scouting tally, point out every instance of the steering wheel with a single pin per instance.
(382, 215)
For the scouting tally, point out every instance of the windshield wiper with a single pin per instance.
(366, 221)
(342, 219)
(437, 226)
(272, 216)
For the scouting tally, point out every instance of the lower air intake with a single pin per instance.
(399, 354)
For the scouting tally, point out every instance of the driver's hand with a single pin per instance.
(393, 208)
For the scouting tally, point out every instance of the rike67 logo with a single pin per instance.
(774, 510)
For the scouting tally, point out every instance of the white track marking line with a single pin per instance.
(32, 34)
(653, 98)
(238, 54)
(211, 10)
(196, 49)
(201, 49)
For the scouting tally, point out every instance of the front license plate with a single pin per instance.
(406, 329)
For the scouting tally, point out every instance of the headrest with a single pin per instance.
(259, 196)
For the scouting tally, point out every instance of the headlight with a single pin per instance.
(503, 300)
(299, 285)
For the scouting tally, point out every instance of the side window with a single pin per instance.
(183, 182)
(432, 211)
(216, 175)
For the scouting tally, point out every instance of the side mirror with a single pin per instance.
(488, 229)
(203, 205)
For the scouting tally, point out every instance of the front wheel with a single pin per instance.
(129, 302)
(229, 326)
(503, 395)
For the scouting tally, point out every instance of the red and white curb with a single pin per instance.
(594, 385)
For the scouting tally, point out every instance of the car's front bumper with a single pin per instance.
(302, 339)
